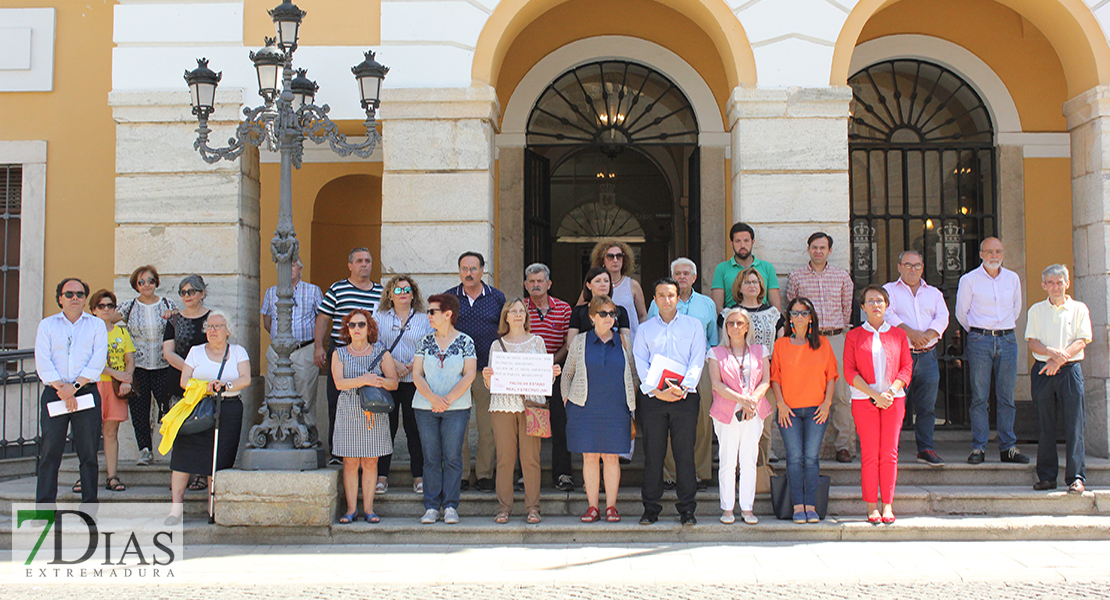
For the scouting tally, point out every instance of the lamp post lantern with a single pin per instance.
(283, 122)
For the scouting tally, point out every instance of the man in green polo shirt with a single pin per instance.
(742, 237)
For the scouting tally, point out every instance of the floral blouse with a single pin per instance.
(444, 368)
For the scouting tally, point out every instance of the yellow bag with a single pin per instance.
(171, 423)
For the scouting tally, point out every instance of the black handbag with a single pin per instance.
(375, 400)
(780, 497)
(203, 417)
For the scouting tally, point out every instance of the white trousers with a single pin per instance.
(738, 443)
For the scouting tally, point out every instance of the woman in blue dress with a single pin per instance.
(598, 394)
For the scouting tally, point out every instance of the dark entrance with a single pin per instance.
(923, 177)
(612, 154)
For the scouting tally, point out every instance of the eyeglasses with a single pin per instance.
(72, 295)
(914, 266)
(799, 313)
(148, 281)
(214, 327)
(607, 313)
(188, 292)
(469, 269)
(614, 256)
(402, 290)
(750, 282)
(105, 306)
(735, 324)
(357, 325)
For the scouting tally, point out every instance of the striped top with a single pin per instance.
(551, 325)
(343, 297)
(389, 327)
(306, 298)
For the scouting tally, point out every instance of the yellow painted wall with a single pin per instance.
(1048, 237)
(580, 19)
(328, 22)
(77, 124)
(1015, 49)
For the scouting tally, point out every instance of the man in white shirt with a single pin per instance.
(919, 309)
(988, 303)
(1058, 329)
(71, 350)
(670, 406)
(306, 299)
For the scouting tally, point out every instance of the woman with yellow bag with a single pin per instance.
(223, 368)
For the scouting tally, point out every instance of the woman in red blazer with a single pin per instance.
(878, 364)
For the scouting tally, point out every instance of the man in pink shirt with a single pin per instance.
(919, 309)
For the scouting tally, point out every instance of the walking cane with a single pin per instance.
(215, 453)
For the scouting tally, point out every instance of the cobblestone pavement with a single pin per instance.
(880, 570)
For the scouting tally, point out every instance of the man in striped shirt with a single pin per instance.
(345, 295)
(549, 318)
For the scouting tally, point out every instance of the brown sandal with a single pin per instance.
(533, 517)
(197, 483)
(115, 487)
(501, 518)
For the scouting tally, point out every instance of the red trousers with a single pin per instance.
(878, 431)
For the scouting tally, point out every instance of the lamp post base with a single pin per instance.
(282, 459)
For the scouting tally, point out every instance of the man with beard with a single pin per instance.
(742, 237)
(988, 304)
(345, 295)
(479, 315)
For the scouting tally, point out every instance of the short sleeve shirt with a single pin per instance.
(552, 325)
(1053, 326)
(444, 368)
(343, 297)
(479, 319)
(119, 344)
(725, 274)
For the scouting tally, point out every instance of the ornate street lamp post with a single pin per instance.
(283, 123)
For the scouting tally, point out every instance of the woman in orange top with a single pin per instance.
(803, 374)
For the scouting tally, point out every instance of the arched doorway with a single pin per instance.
(612, 153)
(923, 177)
(347, 214)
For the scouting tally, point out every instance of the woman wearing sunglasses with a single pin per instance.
(184, 330)
(120, 368)
(598, 394)
(398, 316)
(616, 258)
(443, 368)
(357, 438)
(803, 375)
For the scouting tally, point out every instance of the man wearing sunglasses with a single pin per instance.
(71, 350)
(306, 299)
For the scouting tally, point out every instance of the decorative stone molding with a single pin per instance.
(31, 155)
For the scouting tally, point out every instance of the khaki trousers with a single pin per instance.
(305, 376)
(703, 440)
(843, 427)
(484, 457)
(511, 440)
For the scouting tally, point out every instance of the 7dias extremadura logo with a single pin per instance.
(112, 542)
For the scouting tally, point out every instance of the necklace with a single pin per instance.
(743, 360)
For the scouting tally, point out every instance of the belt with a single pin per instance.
(828, 332)
(925, 351)
(992, 332)
(302, 345)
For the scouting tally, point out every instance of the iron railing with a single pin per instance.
(19, 411)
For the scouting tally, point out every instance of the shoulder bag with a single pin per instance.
(203, 417)
(537, 419)
(375, 400)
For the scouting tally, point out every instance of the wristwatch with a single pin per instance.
(228, 387)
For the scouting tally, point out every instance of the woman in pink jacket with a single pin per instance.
(877, 363)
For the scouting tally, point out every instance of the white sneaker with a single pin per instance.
(430, 516)
(145, 457)
(450, 516)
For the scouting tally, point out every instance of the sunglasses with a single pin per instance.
(188, 292)
(615, 256)
(106, 306)
(357, 325)
(402, 290)
(72, 295)
(432, 311)
(799, 313)
(149, 281)
(607, 313)
(735, 324)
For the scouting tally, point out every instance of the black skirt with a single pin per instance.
(193, 453)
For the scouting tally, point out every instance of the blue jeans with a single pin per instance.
(803, 443)
(441, 439)
(1064, 389)
(987, 354)
(923, 394)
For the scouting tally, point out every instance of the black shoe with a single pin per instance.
(843, 456)
(335, 460)
(687, 518)
(564, 483)
(485, 484)
(703, 485)
(624, 461)
(669, 485)
(976, 457)
(1044, 485)
(649, 518)
(465, 485)
(1013, 455)
(930, 458)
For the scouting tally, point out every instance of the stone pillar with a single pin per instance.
(437, 181)
(182, 215)
(790, 170)
(714, 226)
(510, 219)
(1089, 125)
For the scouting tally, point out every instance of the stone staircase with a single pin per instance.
(956, 501)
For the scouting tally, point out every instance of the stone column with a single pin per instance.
(510, 218)
(790, 170)
(1089, 124)
(714, 226)
(183, 215)
(437, 181)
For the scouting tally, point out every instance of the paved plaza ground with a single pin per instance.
(887, 570)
